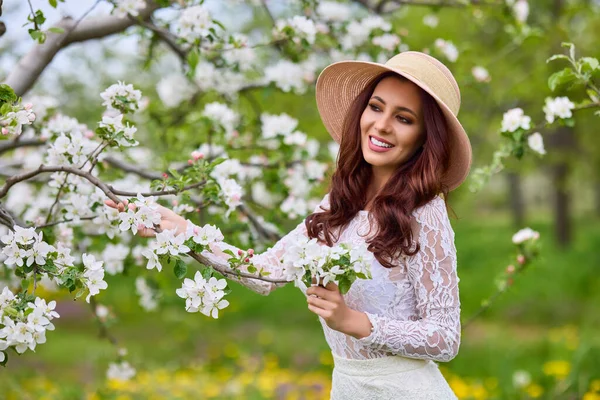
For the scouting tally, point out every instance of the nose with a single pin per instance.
(382, 124)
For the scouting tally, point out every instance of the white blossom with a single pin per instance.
(515, 119)
(558, 107)
(303, 28)
(131, 7)
(524, 235)
(114, 94)
(287, 76)
(448, 49)
(536, 143)
(194, 23)
(481, 74)
(174, 89)
(122, 371)
(431, 20)
(521, 10)
(232, 194)
(222, 115)
(334, 11)
(387, 41)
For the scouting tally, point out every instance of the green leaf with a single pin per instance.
(561, 78)
(252, 269)
(557, 57)
(7, 94)
(180, 269)
(56, 29)
(53, 3)
(192, 59)
(571, 47)
(344, 286)
(588, 64)
(37, 35)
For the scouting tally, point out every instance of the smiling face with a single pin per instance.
(391, 126)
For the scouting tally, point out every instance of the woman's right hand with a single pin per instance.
(168, 219)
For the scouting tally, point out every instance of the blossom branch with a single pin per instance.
(167, 37)
(13, 144)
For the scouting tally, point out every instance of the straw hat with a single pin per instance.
(340, 83)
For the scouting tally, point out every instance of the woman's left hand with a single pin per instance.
(328, 303)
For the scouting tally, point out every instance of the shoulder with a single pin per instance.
(433, 214)
(323, 204)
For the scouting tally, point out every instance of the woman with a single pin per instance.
(402, 150)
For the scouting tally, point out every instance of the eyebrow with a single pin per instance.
(399, 108)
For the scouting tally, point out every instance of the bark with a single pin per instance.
(516, 200)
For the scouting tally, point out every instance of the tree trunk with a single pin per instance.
(515, 199)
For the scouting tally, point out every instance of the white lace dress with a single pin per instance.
(414, 309)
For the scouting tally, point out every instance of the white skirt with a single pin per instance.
(391, 377)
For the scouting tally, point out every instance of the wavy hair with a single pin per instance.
(416, 182)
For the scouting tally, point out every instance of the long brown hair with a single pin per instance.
(414, 184)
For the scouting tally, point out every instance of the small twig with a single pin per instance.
(166, 36)
(63, 221)
(11, 144)
(37, 28)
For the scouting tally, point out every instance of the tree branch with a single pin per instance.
(11, 145)
(30, 67)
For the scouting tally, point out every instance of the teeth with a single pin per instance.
(378, 143)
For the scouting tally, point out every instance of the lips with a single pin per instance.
(381, 140)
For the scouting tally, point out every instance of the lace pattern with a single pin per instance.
(414, 307)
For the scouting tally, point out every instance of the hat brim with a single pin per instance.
(340, 83)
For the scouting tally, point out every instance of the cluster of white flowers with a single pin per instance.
(431, 20)
(146, 214)
(24, 329)
(559, 107)
(524, 235)
(147, 294)
(174, 89)
(121, 97)
(227, 169)
(93, 275)
(114, 125)
(388, 41)
(277, 125)
(294, 207)
(12, 123)
(221, 80)
(521, 10)
(305, 259)
(222, 115)
(204, 296)
(131, 7)
(480, 74)
(333, 11)
(166, 242)
(73, 149)
(122, 371)
(62, 124)
(447, 48)
(515, 119)
(25, 247)
(301, 27)
(262, 196)
(114, 256)
(194, 23)
(287, 76)
(333, 148)
(358, 32)
(209, 151)
(204, 235)
(232, 194)
(43, 105)
(536, 143)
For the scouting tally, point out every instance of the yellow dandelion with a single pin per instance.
(559, 369)
(591, 396)
(534, 390)
(459, 387)
(595, 385)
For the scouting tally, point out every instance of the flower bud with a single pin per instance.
(190, 162)
(521, 259)
(196, 155)
(250, 252)
(240, 252)
(510, 269)
(246, 259)
(27, 106)
(4, 131)
(165, 175)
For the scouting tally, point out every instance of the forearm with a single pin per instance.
(357, 325)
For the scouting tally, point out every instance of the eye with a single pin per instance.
(374, 107)
(403, 120)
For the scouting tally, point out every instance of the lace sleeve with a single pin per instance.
(269, 261)
(432, 272)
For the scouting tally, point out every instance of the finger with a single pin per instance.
(332, 287)
(321, 303)
(319, 292)
(146, 232)
(319, 311)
